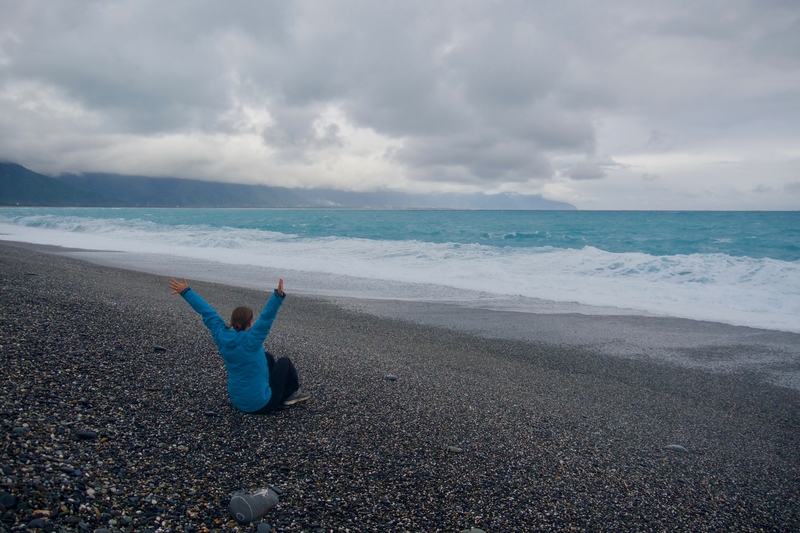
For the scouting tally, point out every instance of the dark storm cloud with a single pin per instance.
(465, 90)
(148, 67)
(461, 92)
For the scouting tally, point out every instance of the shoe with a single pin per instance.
(297, 397)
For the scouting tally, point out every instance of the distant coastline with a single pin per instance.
(21, 187)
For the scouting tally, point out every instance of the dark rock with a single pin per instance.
(77, 352)
(157, 348)
(85, 434)
(36, 522)
(19, 431)
(67, 469)
(263, 527)
(276, 490)
(72, 520)
(391, 377)
(8, 500)
(454, 449)
(210, 413)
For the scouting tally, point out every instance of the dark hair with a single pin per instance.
(241, 317)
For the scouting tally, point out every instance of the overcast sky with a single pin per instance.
(604, 104)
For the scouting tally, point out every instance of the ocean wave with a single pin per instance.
(758, 292)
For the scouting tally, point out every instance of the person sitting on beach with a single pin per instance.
(257, 383)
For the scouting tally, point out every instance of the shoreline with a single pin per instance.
(552, 436)
(618, 333)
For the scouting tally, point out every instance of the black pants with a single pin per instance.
(283, 382)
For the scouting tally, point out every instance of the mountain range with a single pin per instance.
(20, 186)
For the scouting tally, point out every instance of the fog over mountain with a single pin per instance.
(22, 187)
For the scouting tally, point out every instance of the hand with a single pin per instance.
(280, 288)
(178, 286)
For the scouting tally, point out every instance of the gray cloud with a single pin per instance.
(585, 170)
(441, 94)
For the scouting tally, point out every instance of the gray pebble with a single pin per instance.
(19, 431)
(454, 449)
(263, 527)
(77, 352)
(157, 348)
(276, 490)
(676, 448)
(472, 530)
(391, 377)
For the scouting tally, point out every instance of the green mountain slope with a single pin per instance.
(23, 187)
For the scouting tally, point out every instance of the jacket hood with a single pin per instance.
(231, 337)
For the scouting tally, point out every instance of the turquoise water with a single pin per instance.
(736, 267)
(774, 235)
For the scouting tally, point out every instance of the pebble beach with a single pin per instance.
(115, 417)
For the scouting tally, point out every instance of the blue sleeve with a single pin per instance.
(211, 319)
(260, 330)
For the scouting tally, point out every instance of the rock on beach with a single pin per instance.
(558, 438)
(85, 434)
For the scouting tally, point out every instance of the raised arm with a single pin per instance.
(260, 329)
(211, 319)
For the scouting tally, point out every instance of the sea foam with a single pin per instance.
(757, 292)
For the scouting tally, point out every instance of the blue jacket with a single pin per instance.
(242, 351)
